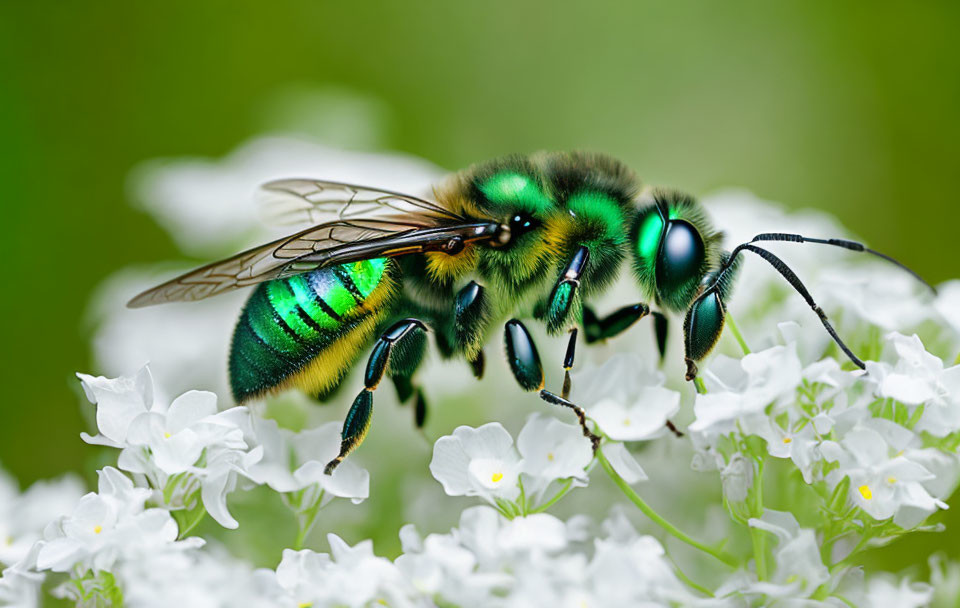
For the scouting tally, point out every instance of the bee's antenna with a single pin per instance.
(851, 245)
(798, 285)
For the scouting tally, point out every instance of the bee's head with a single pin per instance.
(674, 247)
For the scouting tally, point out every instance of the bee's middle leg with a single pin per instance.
(564, 398)
(525, 364)
(398, 346)
(596, 329)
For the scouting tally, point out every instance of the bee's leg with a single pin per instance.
(564, 397)
(471, 317)
(522, 356)
(400, 340)
(405, 358)
(477, 364)
(564, 297)
(407, 390)
(660, 326)
(596, 329)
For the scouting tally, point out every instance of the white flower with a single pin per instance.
(948, 305)
(294, 461)
(349, 576)
(884, 486)
(119, 401)
(799, 567)
(625, 397)
(945, 580)
(622, 377)
(739, 391)
(477, 462)
(624, 463)
(20, 583)
(876, 294)
(439, 566)
(886, 592)
(551, 451)
(107, 526)
(737, 478)
(631, 572)
(24, 516)
(176, 436)
(644, 416)
(920, 378)
(205, 578)
(165, 442)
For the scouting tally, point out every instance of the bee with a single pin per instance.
(531, 237)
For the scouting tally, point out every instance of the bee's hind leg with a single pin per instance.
(407, 390)
(397, 346)
(563, 398)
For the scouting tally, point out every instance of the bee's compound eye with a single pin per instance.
(681, 255)
(702, 327)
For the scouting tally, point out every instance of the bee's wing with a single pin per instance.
(409, 225)
(308, 202)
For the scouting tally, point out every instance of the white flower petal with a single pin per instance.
(624, 463)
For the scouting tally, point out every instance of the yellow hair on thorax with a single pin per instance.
(452, 195)
(556, 232)
(443, 267)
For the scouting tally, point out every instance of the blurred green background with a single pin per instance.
(850, 107)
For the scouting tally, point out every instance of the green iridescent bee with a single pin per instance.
(524, 236)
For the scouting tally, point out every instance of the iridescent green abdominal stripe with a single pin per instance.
(288, 322)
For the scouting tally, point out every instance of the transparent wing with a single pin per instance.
(371, 223)
(307, 202)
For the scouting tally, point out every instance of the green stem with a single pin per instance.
(523, 499)
(306, 524)
(657, 519)
(567, 486)
(689, 582)
(736, 334)
(957, 360)
(757, 536)
(697, 382)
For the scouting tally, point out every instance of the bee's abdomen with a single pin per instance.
(288, 325)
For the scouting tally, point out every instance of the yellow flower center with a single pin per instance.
(497, 477)
(626, 422)
(97, 529)
(166, 435)
(787, 440)
(865, 492)
(891, 480)
(550, 456)
(304, 604)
